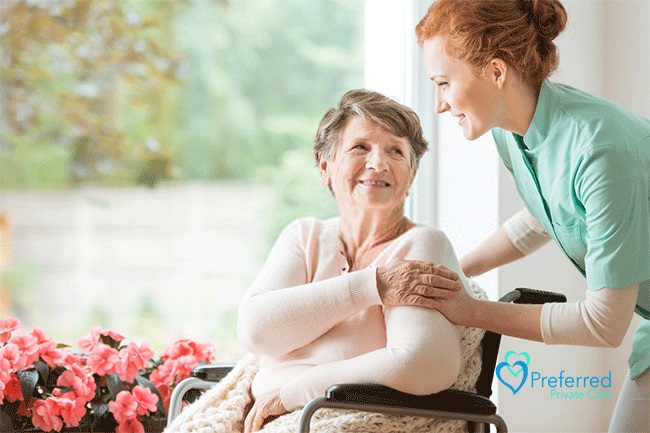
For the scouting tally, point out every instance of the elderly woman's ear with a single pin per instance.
(324, 175)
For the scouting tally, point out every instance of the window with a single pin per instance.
(150, 152)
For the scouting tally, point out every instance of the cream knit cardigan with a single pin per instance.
(223, 408)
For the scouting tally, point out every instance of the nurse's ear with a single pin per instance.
(497, 72)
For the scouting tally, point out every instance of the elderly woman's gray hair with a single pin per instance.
(374, 107)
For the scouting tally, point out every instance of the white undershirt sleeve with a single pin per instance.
(525, 232)
(601, 320)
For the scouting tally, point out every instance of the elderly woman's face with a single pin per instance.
(371, 166)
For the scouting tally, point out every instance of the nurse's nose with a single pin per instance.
(376, 160)
(440, 105)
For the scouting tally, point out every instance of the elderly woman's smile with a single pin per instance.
(374, 182)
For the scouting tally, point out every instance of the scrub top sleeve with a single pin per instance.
(612, 185)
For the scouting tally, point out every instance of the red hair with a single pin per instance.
(519, 32)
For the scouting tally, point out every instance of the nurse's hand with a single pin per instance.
(461, 309)
(267, 407)
(415, 283)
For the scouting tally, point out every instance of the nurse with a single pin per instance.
(581, 165)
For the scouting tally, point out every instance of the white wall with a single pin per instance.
(604, 50)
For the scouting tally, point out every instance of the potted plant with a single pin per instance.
(103, 385)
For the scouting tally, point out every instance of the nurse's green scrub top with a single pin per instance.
(583, 170)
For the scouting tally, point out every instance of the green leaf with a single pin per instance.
(28, 380)
(100, 409)
(53, 376)
(109, 341)
(43, 370)
(6, 421)
(114, 385)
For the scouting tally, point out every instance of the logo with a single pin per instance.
(513, 371)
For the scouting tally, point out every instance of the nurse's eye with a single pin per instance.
(442, 84)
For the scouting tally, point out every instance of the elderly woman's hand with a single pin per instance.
(267, 406)
(414, 283)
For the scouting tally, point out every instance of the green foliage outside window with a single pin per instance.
(141, 91)
(65, 65)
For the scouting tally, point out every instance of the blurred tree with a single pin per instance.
(88, 86)
(62, 65)
(260, 75)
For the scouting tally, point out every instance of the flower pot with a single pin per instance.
(151, 425)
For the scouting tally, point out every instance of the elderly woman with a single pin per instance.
(322, 311)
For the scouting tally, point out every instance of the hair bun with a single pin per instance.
(548, 16)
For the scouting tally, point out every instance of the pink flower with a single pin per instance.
(22, 408)
(103, 359)
(7, 326)
(166, 373)
(46, 349)
(81, 380)
(46, 415)
(185, 347)
(165, 392)
(40, 336)
(124, 407)
(71, 408)
(27, 349)
(133, 359)
(5, 376)
(11, 353)
(131, 425)
(71, 359)
(146, 400)
(13, 391)
(88, 343)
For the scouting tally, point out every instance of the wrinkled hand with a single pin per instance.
(266, 406)
(414, 283)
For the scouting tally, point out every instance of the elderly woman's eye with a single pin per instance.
(398, 151)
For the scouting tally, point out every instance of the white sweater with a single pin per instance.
(317, 324)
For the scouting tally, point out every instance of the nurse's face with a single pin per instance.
(473, 99)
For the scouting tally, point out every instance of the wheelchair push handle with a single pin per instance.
(523, 295)
(211, 372)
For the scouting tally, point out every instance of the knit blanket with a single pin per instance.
(223, 408)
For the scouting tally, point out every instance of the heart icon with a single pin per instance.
(511, 383)
(521, 356)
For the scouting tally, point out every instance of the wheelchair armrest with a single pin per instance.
(532, 296)
(449, 400)
(211, 372)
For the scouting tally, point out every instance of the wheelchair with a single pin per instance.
(475, 408)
